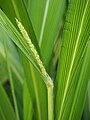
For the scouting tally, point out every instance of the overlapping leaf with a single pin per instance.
(21, 43)
(16, 9)
(75, 36)
(17, 39)
(46, 17)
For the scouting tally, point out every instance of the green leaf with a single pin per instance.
(36, 13)
(18, 10)
(46, 17)
(15, 66)
(37, 90)
(82, 86)
(15, 62)
(86, 112)
(3, 69)
(28, 109)
(39, 85)
(18, 40)
(75, 36)
(10, 77)
(89, 94)
(6, 109)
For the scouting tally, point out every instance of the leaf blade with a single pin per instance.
(74, 42)
(8, 111)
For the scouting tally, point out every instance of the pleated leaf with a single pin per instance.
(75, 36)
(81, 90)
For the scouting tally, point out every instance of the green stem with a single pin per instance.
(50, 103)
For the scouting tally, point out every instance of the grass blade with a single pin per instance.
(18, 10)
(11, 79)
(18, 40)
(75, 37)
(15, 62)
(81, 87)
(37, 90)
(46, 20)
(5, 107)
(28, 109)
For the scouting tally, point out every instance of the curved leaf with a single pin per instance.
(18, 40)
(17, 9)
(21, 43)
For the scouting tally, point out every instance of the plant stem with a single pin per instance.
(50, 103)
